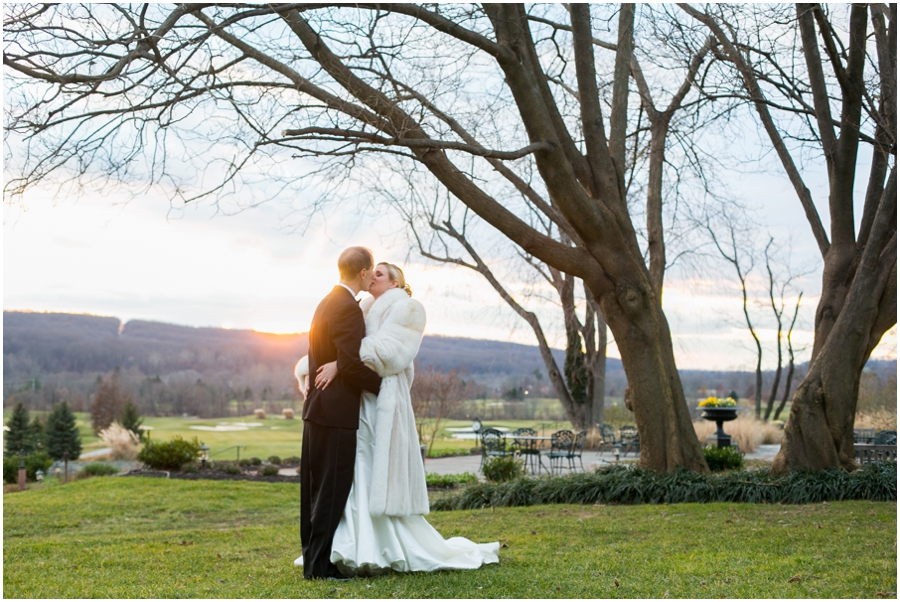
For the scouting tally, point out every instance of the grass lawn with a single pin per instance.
(275, 436)
(126, 537)
(271, 436)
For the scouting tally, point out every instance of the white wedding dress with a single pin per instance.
(368, 545)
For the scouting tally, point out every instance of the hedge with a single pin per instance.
(628, 485)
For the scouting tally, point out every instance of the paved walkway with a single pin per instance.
(591, 459)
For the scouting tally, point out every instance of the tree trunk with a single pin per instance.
(660, 410)
(774, 393)
(598, 373)
(787, 390)
(819, 429)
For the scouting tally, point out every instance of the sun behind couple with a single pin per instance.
(363, 493)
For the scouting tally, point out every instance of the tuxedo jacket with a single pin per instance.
(335, 334)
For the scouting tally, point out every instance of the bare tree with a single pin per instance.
(580, 386)
(790, 373)
(730, 253)
(110, 101)
(827, 87)
(777, 303)
(108, 402)
(435, 395)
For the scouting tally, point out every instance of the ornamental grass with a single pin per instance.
(123, 443)
(880, 419)
(746, 431)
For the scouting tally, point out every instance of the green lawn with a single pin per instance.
(279, 437)
(273, 436)
(126, 537)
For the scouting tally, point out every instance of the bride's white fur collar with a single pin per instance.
(387, 298)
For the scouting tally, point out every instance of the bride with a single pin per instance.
(383, 527)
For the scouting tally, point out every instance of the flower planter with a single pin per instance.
(720, 415)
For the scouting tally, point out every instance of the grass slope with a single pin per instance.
(119, 537)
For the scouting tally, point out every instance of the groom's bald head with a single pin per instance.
(353, 260)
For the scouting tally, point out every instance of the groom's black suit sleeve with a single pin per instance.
(347, 333)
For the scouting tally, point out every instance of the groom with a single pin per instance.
(331, 416)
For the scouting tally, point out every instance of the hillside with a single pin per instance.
(170, 368)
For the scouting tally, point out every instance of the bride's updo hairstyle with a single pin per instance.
(397, 274)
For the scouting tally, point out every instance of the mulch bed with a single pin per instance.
(213, 475)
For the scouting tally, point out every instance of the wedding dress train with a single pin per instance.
(366, 544)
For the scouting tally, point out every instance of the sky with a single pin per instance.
(139, 257)
(144, 259)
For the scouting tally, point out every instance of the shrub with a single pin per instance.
(449, 453)
(191, 467)
(33, 462)
(502, 468)
(122, 442)
(259, 413)
(226, 466)
(255, 461)
(449, 480)
(288, 413)
(96, 469)
(722, 458)
(169, 455)
(291, 461)
(269, 470)
(274, 460)
(628, 485)
(249, 462)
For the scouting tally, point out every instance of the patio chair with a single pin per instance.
(628, 437)
(528, 448)
(576, 450)
(607, 436)
(863, 435)
(493, 444)
(560, 445)
(885, 438)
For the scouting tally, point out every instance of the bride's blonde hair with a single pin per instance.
(397, 274)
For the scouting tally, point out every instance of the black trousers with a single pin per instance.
(326, 475)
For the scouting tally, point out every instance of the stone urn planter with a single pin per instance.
(719, 415)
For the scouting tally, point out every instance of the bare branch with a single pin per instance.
(317, 133)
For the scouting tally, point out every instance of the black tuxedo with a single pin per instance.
(330, 422)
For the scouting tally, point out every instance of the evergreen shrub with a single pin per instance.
(226, 466)
(274, 460)
(169, 455)
(723, 458)
(629, 485)
(33, 462)
(96, 469)
(291, 461)
(269, 470)
(500, 469)
(445, 481)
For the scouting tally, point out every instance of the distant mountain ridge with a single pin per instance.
(40, 344)
(55, 342)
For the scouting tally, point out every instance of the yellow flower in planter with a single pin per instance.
(714, 402)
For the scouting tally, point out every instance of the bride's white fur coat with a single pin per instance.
(394, 327)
